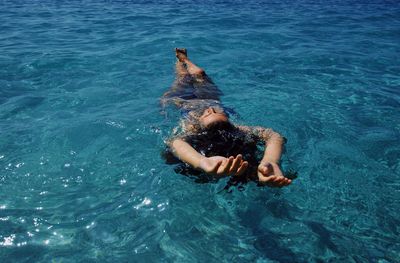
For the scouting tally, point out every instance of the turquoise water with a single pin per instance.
(82, 178)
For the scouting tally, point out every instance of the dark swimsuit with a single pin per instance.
(195, 94)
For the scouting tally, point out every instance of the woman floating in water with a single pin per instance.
(208, 142)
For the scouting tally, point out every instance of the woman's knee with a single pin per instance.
(199, 72)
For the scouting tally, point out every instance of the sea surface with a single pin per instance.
(82, 178)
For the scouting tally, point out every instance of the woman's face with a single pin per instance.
(213, 115)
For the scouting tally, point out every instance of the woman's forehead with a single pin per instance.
(214, 107)
(198, 111)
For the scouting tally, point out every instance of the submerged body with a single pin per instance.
(208, 142)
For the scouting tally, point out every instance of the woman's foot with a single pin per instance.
(181, 54)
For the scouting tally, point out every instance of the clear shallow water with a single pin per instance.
(81, 174)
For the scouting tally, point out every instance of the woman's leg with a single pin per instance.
(192, 68)
(203, 85)
(183, 82)
(180, 70)
(191, 82)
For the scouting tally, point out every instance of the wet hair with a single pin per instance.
(217, 126)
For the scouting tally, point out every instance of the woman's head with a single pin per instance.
(208, 118)
(213, 115)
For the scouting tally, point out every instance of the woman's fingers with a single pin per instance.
(281, 183)
(216, 166)
(271, 179)
(224, 168)
(268, 179)
(275, 181)
(242, 168)
(287, 182)
(235, 165)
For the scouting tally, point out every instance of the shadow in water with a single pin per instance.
(18, 105)
(268, 242)
(281, 209)
(28, 253)
(324, 235)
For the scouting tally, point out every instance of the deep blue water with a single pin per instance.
(81, 176)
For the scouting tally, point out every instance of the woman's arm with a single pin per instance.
(273, 142)
(186, 153)
(215, 165)
(273, 145)
(269, 172)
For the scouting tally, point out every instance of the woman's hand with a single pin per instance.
(270, 174)
(221, 166)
